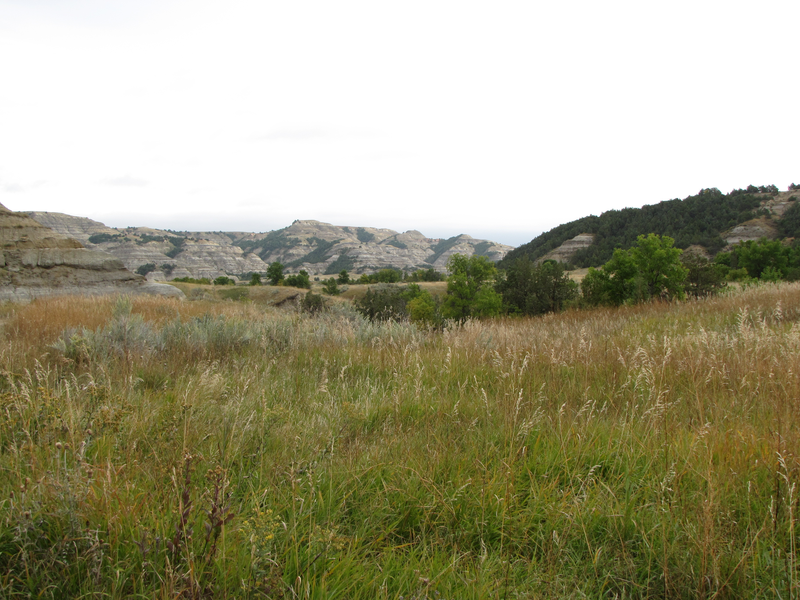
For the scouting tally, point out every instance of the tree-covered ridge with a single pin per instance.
(698, 219)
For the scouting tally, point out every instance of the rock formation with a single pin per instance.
(36, 261)
(319, 248)
(754, 229)
(567, 250)
(324, 249)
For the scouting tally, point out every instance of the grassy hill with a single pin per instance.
(696, 220)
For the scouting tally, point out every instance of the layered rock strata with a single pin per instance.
(319, 248)
(36, 261)
(567, 250)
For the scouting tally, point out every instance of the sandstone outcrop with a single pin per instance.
(324, 249)
(779, 203)
(754, 229)
(79, 228)
(37, 261)
(319, 248)
(567, 250)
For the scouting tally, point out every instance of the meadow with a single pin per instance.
(153, 448)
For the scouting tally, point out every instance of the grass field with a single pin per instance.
(153, 448)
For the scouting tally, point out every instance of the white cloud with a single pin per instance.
(125, 181)
(419, 115)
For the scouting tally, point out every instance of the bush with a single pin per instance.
(425, 309)
(704, 278)
(530, 289)
(222, 280)
(301, 280)
(383, 303)
(146, 268)
(738, 275)
(426, 275)
(651, 269)
(99, 238)
(388, 276)
(330, 287)
(469, 288)
(313, 303)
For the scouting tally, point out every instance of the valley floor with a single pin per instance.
(155, 448)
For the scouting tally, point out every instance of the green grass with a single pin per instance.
(158, 449)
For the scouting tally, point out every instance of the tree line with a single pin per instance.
(695, 220)
(652, 269)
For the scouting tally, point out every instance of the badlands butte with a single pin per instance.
(47, 253)
(319, 248)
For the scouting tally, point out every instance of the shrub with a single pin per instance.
(703, 278)
(330, 287)
(313, 303)
(146, 268)
(99, 238)
(301, 280)
(383, 303)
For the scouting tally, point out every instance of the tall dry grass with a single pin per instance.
(166, 449)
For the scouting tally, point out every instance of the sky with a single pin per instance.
(497, 119)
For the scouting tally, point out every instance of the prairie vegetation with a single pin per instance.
(161, 449)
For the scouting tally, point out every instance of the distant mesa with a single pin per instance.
(320, 248)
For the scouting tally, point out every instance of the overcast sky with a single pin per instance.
(498, 119)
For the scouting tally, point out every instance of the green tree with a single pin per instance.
(790, 221)
(343, 278)
(624, 282)
(223, 280)
(596, 288)
(703, 277)
(660, 266)
(255, 279)
(301, 280)
(426, 310)
(388, 276)
(275, 273)
(531, 289)
(756, 256)
(330, 287)
(469, 288)
(651, 269)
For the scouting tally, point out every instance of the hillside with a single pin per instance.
(710, 220)
(36, 261)
(319, 248)
(325, 249)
